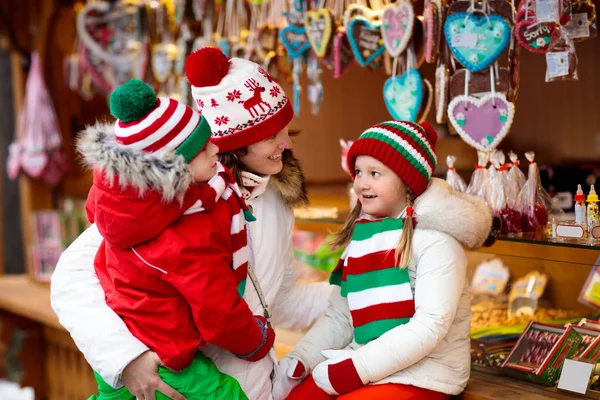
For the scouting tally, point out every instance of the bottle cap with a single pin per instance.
(592, 196)
(579, 196)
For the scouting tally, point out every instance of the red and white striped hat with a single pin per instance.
(150, 124)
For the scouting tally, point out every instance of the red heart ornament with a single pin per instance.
(536, 37)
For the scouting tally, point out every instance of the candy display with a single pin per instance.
(541, 350)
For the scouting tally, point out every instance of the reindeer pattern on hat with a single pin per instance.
(251, 103)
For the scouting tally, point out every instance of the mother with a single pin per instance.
(249, 114)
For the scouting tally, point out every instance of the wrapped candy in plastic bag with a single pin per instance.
(452, 177)
(479, 181)
(496, 192)
(515, 175)
(510, 212)
(534, 200)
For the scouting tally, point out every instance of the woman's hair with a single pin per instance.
(404, 247)
(231, 160)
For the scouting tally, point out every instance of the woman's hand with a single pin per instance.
(288, 375)
(141, 378)
(337, 375)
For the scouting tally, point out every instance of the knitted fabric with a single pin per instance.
(167, 125)
(378, 291)
(406, 148)
(246, 105)
(223, 186)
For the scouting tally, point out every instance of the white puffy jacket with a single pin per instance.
(432, 350)
(102, 337)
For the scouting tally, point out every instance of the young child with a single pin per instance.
(398, 320)
(174, 259)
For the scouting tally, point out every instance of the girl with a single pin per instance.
(249, 114)
(174, 258)
(398, 318)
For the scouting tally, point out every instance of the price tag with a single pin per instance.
(557, 64)
(546, 10)
(575, 376)
(464, 40)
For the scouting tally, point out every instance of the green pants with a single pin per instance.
(201, 380)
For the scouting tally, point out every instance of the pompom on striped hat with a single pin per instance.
(406, 148)
(154, 124)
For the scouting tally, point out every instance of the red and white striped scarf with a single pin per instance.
(223, 186)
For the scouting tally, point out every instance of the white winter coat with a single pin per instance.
(432, 350)
(103, 338)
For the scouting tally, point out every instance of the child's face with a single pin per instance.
(204, 165)
(264, 158)
(379, 189)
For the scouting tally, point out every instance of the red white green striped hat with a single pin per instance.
(406, 148)
(151, 124)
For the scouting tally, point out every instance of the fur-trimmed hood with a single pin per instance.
(466, 218)
(163, 172)
(168, 173)
(289, 183)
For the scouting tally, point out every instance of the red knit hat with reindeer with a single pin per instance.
(242, 103)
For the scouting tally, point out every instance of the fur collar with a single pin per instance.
(289, 183)
(164, 172)
(168, 173)
(466, 218)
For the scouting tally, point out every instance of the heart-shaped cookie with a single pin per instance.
(397, 22)
(536, 37)
(319, 28)
(365, 39)
(476, 40)
(342, 54)
(441, 93)
(358, 10)
(403, 95)
(266, 41)
(481, 122)
(294, 40)
(431, 31)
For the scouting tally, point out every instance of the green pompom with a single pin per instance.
(132, 101)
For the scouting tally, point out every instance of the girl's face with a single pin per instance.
(264, 158)
(380, 191)
(204, 165)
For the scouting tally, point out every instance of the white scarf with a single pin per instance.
(253, 185)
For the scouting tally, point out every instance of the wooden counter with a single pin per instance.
(68, 376)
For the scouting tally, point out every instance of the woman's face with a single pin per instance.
(265, 158)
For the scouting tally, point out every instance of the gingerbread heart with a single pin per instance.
(397, 22)
(319, 28)
(441, 93)
(431, 30)
(294, 40)
(403, 95)
(481, 122)
(536, 37)
(266, 41)
(476, 40)
(358, 10)
(342, 54)
(365, 39)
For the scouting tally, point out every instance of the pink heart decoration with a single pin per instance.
(431, 30)
(397, 24)
(342, 54)
(481, 122)
(34, 162)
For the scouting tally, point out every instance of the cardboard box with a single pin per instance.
(541, 350)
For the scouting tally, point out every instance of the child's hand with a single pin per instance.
(288, 375)
(141, 378)
(269, 340)
(337, 375)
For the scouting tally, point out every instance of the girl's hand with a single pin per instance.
(288, 375)
(337, 375)
(141, 378)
